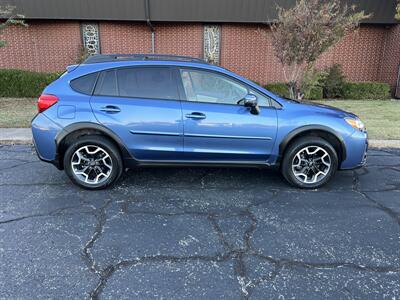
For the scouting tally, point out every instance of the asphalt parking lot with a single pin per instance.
(195, 233)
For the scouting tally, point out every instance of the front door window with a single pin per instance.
(202, 86)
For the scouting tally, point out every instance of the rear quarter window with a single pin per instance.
(107, 84)
(84, 84)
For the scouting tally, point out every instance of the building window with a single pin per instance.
(90, 36)
(212, 42)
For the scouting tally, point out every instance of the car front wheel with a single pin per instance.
(93, 162)
(309, 162)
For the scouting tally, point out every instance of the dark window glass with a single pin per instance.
(107, 84)
(151, 82)
(84, 84)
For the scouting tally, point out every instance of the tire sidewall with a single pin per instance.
(297, 146)
(108, 147)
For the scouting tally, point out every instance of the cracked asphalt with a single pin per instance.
(197, 233)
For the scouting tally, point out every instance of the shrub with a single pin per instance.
(333, 82)
(279, 88)
(314, 93)
(366, 90)
(311, 85)
(19, 83)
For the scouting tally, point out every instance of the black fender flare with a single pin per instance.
(94, 126)
(294, 133)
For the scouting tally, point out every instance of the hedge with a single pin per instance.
(21, 84)
(279, 88)
(366, 90)
(351, 90)
(315, 93)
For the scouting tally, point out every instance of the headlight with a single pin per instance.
(355, 123)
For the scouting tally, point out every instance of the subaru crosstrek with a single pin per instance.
(115, 112)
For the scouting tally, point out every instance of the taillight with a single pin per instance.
(45, 101)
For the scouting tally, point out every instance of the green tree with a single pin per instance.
(303, 32)
(7, 13)
(397, 16)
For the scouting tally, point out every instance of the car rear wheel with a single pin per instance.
(309, 162)
(93, 162)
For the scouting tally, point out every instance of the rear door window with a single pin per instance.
(147, 82)
(84, 84)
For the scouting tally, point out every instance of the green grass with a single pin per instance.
(381, 117)
(17, 112)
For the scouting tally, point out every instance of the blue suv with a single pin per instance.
(115, 112)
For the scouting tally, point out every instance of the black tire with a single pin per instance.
(294, 148)
(108, 146)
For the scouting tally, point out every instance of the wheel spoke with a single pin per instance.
(311, 164)
(91, 164)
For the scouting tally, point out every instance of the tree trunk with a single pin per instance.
(292, 90)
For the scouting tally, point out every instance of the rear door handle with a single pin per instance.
(195, 115)
(111, 109)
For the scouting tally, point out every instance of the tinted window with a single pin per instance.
(151, 82)
(84, 84)
(107, 84)
(211, 87)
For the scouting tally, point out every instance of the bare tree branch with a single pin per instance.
(302, 33)
(6, 12)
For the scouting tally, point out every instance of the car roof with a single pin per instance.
(141, 57)
(111, 61)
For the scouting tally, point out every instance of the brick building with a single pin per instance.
(227, 32)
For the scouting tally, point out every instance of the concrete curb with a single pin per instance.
(15, 136)
(384, 143)
(23, 136)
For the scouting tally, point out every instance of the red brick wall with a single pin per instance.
(176, 39)
(390, 56)
(124, 37)
(359, 54)
(170, 38)
(249, 52)
(370, 54)
(41, 47)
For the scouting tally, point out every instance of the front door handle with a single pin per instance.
(111, 109)
(195, 115)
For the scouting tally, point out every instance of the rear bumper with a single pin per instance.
(44, 132)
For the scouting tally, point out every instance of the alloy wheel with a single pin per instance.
(311, 164)
(91, 164)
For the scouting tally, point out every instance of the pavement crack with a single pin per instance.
(287, 263)
(390, 212)
(218, 231)
(18, 165)
(56, 212)
(106, 273)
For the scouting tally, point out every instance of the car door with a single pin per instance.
(216, 127)
(142, 106)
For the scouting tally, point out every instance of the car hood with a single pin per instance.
(321, 108)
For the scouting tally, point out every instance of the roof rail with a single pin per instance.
(99, 58)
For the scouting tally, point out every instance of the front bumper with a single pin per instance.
(356, 150)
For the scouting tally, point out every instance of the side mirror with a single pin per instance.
(250, 100)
